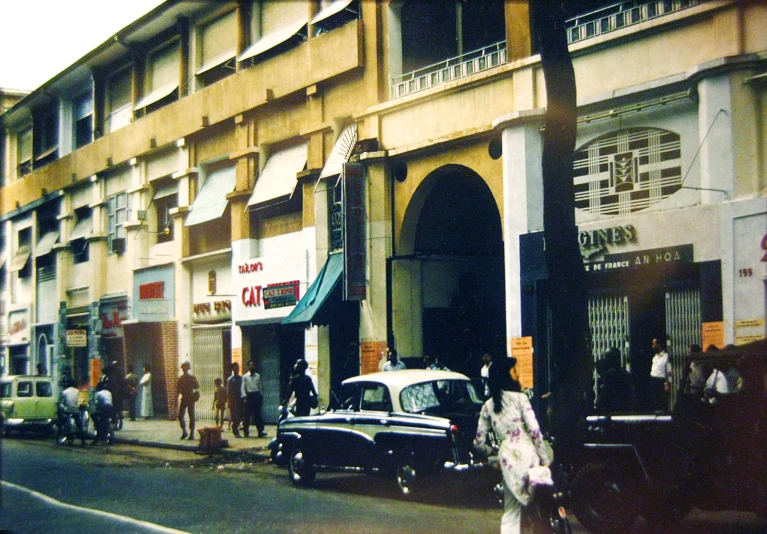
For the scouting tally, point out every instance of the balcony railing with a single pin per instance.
(621, 15)
(451, 69)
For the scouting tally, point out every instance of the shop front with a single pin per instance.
(114, 311)
(266, 291)
(19, 333)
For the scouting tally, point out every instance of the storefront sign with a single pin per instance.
(280, 295)
(217, 311)
(602, 237)
(267, 288)
(642, 258)
(77, 338)
(371, 353)
(355, 244)
(522, 350)
(112, 317)
(153, 294)
(18, 327)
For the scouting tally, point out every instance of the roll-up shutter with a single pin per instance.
(218, 41)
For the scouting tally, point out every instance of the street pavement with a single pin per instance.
(166, 434)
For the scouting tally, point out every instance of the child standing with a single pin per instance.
(219, 401)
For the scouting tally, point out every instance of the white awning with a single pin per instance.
(45, 245)
(165, 190)
(278, 179)
(20, 259)
(269, 41)
(83, 228)
(156, 95)
(216, 61)
(211, 200)
(332, 9)
(341, 152)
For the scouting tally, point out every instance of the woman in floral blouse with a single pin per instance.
(510, 417)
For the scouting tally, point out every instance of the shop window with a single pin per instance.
(45, 135)
(119, 208)
(82, 116)
(164, 218)
(24, 152)
(118, 111)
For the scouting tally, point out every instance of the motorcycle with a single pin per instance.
(72, 426)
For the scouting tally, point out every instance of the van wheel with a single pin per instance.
(300, 469)
(604, 500)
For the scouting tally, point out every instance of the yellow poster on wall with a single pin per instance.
(95, 372)
(712, 334)
(522, 350)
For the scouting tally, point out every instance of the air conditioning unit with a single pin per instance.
(118, 245)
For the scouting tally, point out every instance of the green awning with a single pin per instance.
(313, 308)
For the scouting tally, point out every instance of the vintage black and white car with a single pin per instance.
(405, 423)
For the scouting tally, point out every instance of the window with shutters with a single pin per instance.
(119, 206)
(273, 28)
(82, 120)
(119, 111)
(216, 49)
(24, 152)
(45, 134)
(162, 78)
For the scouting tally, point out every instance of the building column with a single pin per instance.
(522, 201)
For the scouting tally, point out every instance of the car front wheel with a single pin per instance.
(604, 500)
(300, 469)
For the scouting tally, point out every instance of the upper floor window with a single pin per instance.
(82, 118)
(118, 215)
(216, 49)
(334, 14)
(78, 239)
(45, 134)
(164, 200)
(274, 27)
(23, 250)
(118, 112)
(24, 152)
(162, 78)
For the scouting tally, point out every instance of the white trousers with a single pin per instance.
(512, 512)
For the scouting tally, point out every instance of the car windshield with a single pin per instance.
(439, 396)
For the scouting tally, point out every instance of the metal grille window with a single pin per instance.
(119, 206)
(682, 328)
(609, 324)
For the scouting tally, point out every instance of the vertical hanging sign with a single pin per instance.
(354, 231)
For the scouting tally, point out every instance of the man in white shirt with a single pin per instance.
(487, 359)
(253, 398)
(660, 377)
(394, 364)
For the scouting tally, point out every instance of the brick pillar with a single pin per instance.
(171, 368)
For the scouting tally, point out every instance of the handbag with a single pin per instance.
(540, 476)
(314, 400)
(195, 395)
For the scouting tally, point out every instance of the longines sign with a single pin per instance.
(642, 258)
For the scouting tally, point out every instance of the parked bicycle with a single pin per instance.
(73, 426)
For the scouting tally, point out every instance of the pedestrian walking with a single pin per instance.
(302, 388)
(660, 377)
(145, 393)
(131, 380)
(509, 416)
(117, 384)
(189, 391)
(253, 398)
(234, 396)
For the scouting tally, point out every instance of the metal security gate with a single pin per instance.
(207, 364)
(609, 324)
(682, 328)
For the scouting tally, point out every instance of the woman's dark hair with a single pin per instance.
(499, 380)
(148, 367)
(301, 366)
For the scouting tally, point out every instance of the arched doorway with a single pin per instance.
(449, 274)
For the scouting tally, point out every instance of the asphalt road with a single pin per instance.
(132, 489)
(49, 488)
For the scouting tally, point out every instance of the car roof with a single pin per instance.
(405, 377)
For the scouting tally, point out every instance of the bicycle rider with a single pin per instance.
(69, 405)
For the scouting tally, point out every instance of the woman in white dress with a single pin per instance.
(509, 415)
(145, 393)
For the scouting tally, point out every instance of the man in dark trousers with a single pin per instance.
(234, 396)
(254, 398)
(132, 381)
(188, 389)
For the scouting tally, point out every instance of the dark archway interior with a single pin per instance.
(459, 229)
(460, 218)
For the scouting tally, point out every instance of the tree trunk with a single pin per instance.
(569, 348)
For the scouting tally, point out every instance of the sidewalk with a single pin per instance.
(165, 434)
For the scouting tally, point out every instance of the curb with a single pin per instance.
(257, 452)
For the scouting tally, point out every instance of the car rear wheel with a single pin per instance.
(407, 476)
(604, 500)
(300, 469)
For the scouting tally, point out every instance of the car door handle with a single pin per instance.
(384, 422)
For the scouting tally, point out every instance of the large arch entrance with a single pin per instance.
(448, 277)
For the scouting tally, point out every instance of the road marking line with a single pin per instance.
(101, 513)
